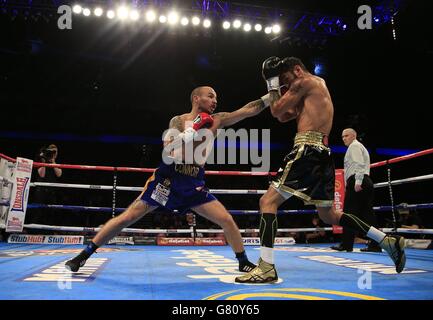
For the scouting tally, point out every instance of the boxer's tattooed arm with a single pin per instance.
(274, 96)
(249, 110)
(289, 101)
(175, 123)
(256, 106)
(221, 115)
(174, 128)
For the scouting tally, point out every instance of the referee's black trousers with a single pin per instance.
(359, 204)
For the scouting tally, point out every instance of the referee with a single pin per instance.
(359, 190)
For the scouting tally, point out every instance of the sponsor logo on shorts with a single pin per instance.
(160, 194)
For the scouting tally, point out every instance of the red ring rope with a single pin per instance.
(221, 173)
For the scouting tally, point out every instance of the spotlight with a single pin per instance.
(247, 27)
(226, 25)
(276, 28)
(86, 12)
(173, 17)
(162, 19)
(344, 26)
(318, 69)
(237, 24)
(268, 30)
(134, 15)
(98, 12)
(150, 16)
(206, 23)
(122, 13)
(110, 14)
(77, 9)
(195, 21)
(184, 21)
(258, 27)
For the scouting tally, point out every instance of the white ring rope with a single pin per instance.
(403, 181)
(407, 230)
(90, 229)
(168, 231)
(155, 231)
(214, 191)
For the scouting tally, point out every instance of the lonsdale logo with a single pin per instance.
(18, 204)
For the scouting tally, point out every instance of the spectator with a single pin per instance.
(409, 219)
(316, 236)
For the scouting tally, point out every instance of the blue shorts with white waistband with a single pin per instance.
(177, 187)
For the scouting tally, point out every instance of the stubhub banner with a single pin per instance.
(44, 239)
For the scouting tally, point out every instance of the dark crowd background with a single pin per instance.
(103, 92)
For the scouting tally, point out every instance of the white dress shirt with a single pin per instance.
(356, 162)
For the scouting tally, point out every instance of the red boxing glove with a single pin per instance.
(203, 120)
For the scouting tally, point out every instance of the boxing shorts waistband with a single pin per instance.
(313, 138)
(189, 170)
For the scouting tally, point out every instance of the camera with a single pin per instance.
(47, 153)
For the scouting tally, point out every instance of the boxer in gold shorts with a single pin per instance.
(308, 170)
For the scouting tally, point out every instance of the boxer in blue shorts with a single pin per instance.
(180, 185)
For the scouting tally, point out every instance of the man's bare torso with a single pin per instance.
(315, 110)
(185, 120)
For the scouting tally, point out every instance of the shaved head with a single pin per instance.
(350, 131)
(204, 99)
(348, 136)
(199, 91)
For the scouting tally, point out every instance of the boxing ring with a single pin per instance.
(147, 264)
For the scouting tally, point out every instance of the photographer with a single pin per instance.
(49, 155)
(45, 195)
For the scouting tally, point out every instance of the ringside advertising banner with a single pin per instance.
(339, 193)
(20, 195)
(44, 239)
(278, 241)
